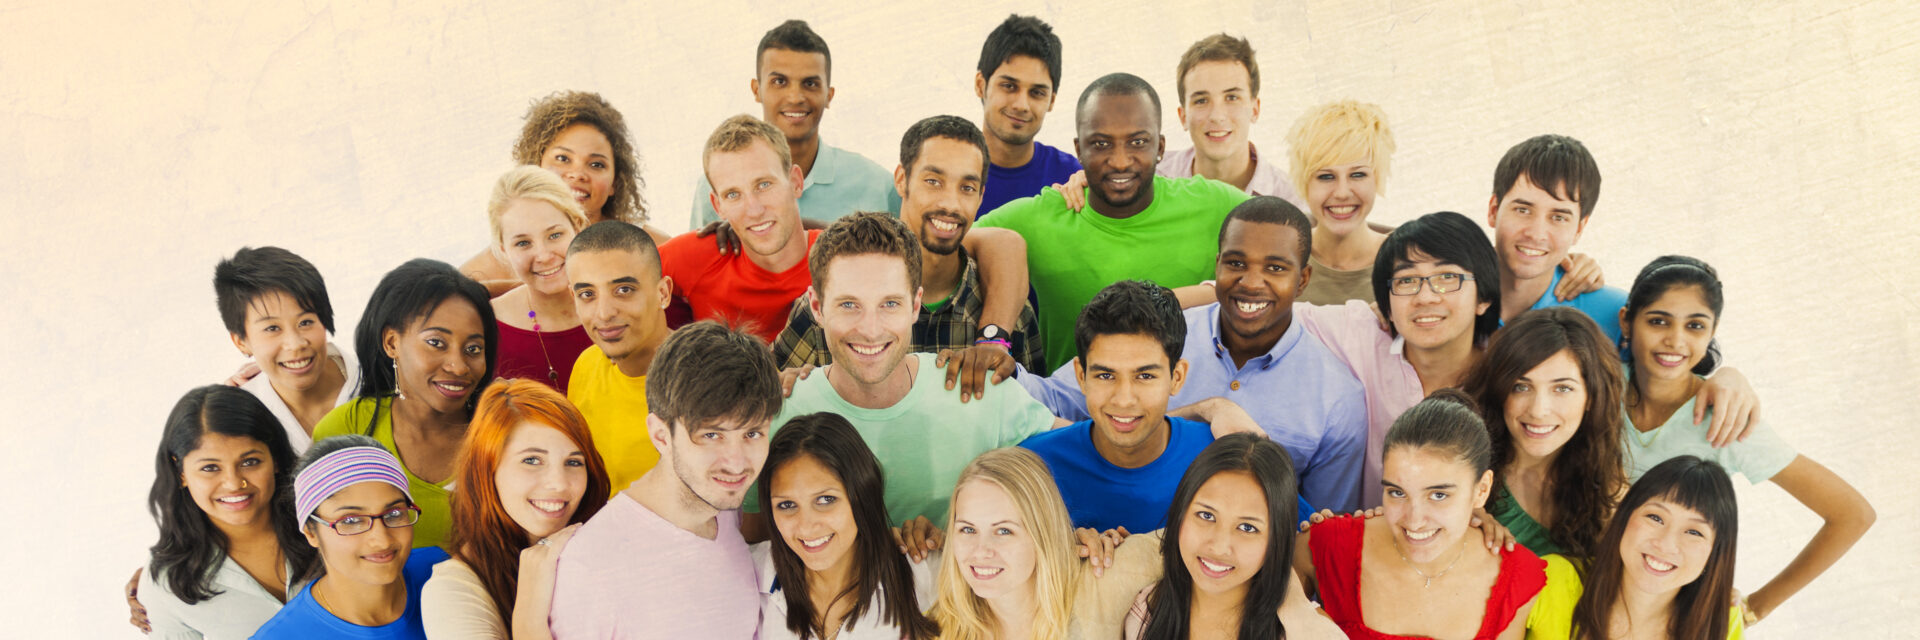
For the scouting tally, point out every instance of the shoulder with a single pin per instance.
(1024, 213)
(1201, 190)
(1054, 442)
(858, 166)
(1191, 433)
(687, 250)
(1522, 572)
(452, 572)
(1057, 157)
(422, 560)
(346, 418)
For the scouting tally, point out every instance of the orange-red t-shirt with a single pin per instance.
(731, 288)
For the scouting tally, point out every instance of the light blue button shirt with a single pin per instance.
(1603, 305)
(840, 183)
(1303, 396)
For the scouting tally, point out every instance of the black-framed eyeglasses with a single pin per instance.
(1440, 283)
(353, 525)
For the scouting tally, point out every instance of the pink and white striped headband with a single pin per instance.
(341, 469)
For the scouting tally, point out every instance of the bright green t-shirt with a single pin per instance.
(436, 516)
(926, 439)
(1073, 255)
(1552, 614)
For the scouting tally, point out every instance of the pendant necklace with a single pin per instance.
(553, 377)
(1423, 574)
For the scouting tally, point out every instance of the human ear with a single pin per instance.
(980, 86)
(240, 342)
(390, 343)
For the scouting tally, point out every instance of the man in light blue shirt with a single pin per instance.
(793, 84)
(1544, 190)
(1246, 348)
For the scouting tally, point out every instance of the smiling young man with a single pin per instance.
(621, 299)
(1544, 190)
(1219, 84)
(1142, 227)
(942, 172)
(624, 574)
(1245, 347)
(1017, 81)
(793, 82)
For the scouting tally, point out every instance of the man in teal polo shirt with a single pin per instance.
(793, 84)
(1140, 227)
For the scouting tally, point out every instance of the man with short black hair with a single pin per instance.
(1544, 190)
(1017, 80)
(621, 298)
(793, 82)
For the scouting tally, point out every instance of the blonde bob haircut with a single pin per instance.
(528, 182)
(1024, 477)
(738, 133)
(1340, 132)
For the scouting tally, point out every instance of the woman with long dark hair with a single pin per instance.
(426, 347)
(230, 549)
(1667, 328)
(833, 569)
(1549, 388)
(527, 476)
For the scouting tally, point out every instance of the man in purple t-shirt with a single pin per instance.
(1018, 77)
(712, 393)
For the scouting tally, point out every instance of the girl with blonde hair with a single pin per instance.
(533, 217)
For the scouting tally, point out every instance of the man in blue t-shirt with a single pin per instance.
(1018, 76)
(1120, 469)
(1544, 190)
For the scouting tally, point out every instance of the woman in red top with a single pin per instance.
(1420, 571)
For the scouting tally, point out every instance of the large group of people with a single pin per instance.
(1005, 391)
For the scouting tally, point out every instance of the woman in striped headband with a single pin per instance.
(352, 500)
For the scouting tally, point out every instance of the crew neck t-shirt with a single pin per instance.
(1073, 255)
(1333, 286)
(262, 388)
(840, 182)
(1757, 458)
(1048, 167)
(628, 573)
(615, 407)
(543, 356)
(926, 439)
(436, 516)
(303, 617)
(731, 288)
(1103, 495)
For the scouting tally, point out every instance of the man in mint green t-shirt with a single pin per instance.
(866, 296)
(1139, 227)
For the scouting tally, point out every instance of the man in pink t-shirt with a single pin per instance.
(664, 558)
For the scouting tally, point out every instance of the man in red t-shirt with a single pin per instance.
(756, 191)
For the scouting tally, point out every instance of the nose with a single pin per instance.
(456, 364)
(1342, 186)
(230, 479)
(379, 538)
(1426, 293)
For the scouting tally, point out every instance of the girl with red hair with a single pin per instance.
(526, 477)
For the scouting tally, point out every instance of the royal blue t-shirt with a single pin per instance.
(1048, 167)
(1103, 495)
(303, 617)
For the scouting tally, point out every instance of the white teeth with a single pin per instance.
(1532, 253)
(1539, 429)
(1424, 319)
(1657, 565)
(1251, 307)
(235, 499)
(761, 227)
(867, 351)
(817, 542)
(580, 195)
(1216, 568)
(549, 506)
(549, 272)
(1669, 358)
(794, 114)
(451, 386)
(1412, 535)
(943, 225)
(984, 572)
(1343, 209)
(298, 364)
(1120, 180)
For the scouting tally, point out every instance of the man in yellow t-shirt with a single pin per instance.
(621, 297)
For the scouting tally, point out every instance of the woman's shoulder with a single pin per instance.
(350, 417)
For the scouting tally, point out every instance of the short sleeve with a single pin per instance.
(1060, 393)
(163, 610)
(1763, 454)
(1021, 416)
(454, 604)
(1552, 614)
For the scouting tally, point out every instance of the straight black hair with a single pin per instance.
(251, 273)
(410, 292)
(191, 548)
(1447, 238)
(1664, 274)
(1700, 609)
(1132, 307)
(1021, 36)
(1169, 605)
(878, 565)
(795, 36)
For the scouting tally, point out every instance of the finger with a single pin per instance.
(976, 378)
(1700, 404)
(940, 359)
(955, 366)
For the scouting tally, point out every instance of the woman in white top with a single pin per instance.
(527, 475)
(833, 568)
(275, 306)
(222, 496)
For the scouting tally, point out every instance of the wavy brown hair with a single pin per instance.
(1588, 472)
(562, 109)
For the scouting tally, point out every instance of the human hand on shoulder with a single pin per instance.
(790, 376)
(139, 612)
(918, 537)
(1074, 190)
(1582, 276)
(968, 368)
(723, 236)
(1497, 535)
(1736, 408)
(1097, 546)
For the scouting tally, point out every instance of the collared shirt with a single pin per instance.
(841, 182)
(261, 387)
(1603, 305)
(1268, 178)
(1352, 332)
(239, 608)
(955, 325)
(1299, 392)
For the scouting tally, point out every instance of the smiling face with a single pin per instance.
(1341, 196)
(1017, 99)
(1223, 540)
(715, 461)
(811, 511)
(1533, 229)
(621, 300)
(441, 355)
(541, 477)
(1665, 547)
(1431, 320)
(940, 193)
(867, 310)
(757, 196)
(534, 237)
(991, 543)
(374, 558)
(1670, 335)
(583, 158)
(1219, 109)
(793, 92)
(1429, 496)
(1256, 276)
(287, 341)
(1119, 144)
(1128, 382)
(1545, 406)
(230, 478)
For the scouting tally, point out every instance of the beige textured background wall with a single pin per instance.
(139, 142)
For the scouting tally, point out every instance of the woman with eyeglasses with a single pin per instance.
(352, 500)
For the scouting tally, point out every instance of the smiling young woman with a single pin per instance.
(534, 219)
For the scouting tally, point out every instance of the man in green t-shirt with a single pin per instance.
(1141, 227)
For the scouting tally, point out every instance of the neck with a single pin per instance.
(1665, 396)
(1643, 611)
(1352, 251)
(1441, 562)
(1517, 296)
(634, 365)
(1014, 612)
(1529, 466)
(1010, 156)
(940, 274)
(886, 393)
(364, 605)
(792, 254)
(1219, 610)
(1236, 169)
(419, 415)
(805, 152)
(662, 492)
(826, 586)
(1101, 206)
(1442, 366)
(553, 311)
(322, 395)
(1139, 456)
(245, 537)
(1242, 348)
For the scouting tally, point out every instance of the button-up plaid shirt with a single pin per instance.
(955, 326)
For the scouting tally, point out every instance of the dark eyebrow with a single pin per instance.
(1016, 81)
(1385, 483)
(243, 454)
(1108, 369)
(568, 150)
